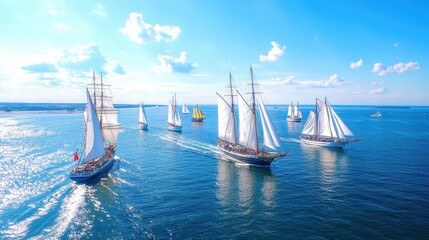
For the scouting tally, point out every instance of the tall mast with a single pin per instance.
(93, 79)
(254, 107)
(232, 107)
(102, 100)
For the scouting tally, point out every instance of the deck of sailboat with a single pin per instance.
(94, 167)
(248, 156)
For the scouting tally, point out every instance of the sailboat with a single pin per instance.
(197, 115)
(325, 128)
(246, 149)
(101, 132)
(142, 118)
(173, 123)
(376, 114)
(185, 109)
(293, 113)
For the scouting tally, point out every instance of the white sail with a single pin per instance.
(323, 120)
(299, 114)
(226, 124)
(247, 125)
(295, 111)
(184, 109)
(94, 146)
(106, 112)
(177, 120)
(170, 113)
(290, 110)
(142, 114)
(271, 139)
(345, 131)
(310, 125)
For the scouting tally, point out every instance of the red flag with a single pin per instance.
(76, 156)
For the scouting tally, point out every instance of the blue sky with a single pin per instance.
(353, 52)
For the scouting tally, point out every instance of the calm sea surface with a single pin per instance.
(179, 185)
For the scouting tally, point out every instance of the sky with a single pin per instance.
(352, 52)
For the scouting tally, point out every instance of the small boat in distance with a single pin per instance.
(185, 109)
(156, 106)
(246, 150)
(173, 123)
(143, 124)
(293, 113)
(101, 132)
(376, 114)
(325, 128)
(197, 115)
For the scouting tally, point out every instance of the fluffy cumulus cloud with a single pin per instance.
(41, 68)
(380, 90)
(382, 70)
(73, 65)
(83, 59)
(357, 64)
(274, 54)
(141, 32)
(334, 81)
(171, 64)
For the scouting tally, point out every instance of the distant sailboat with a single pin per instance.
(246, 150)
(376, 114)
(185, 109)
(101, 132)
(156, 106)
(293, 113)
(143, 124)
(174, 122)
(325, 128)
(197, 115)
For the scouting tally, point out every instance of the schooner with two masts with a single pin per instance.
(101, 133)
(293, 113)
(246, 149)
(174, 123)
(325, 128)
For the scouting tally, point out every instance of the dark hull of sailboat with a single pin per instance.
(142, 126)
(254, 160)
(197, 119)
(87, 176)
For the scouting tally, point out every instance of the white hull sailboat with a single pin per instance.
(173, 123)
(376, 114)
(197, 115)
(246, 149)
(325, 128)
(185, 110)
(143, 124)
(293, 113)
(101, 132)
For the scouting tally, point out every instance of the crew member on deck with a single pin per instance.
(75, 156)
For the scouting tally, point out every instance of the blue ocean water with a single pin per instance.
(179, 185)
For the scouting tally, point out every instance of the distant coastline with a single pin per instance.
(61, 108)
(70, 108)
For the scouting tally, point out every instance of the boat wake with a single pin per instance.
(72, 213)
(205, 149)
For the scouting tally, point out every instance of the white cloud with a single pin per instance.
(60, 26)
(373, 84)
(378, 90)
(99, 10)
(114, 67)
(332, 82)
(171, 64)
(382, 70)
(357, 64)
(274, 54)
(140, 32)
(396, 44)
(83, 59)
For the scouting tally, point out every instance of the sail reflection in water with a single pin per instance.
(333, 163)
(249, 188)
